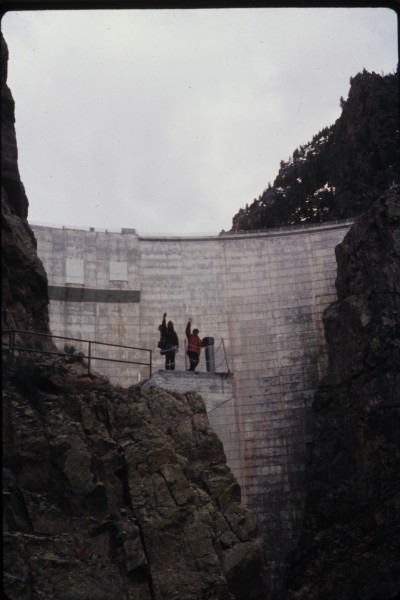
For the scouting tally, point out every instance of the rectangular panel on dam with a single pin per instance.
(260, 295)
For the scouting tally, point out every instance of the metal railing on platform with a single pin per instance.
(88, 357)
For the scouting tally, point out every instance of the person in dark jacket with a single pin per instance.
(171, 343)
(195, 344)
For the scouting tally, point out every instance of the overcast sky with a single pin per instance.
(170, 121)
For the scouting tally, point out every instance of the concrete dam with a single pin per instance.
(260, 295)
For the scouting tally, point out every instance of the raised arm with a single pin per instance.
(164, 324)
(188, 328)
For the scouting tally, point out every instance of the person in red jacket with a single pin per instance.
(195, 344)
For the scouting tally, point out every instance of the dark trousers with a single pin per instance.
(170, 360)
(194, 358)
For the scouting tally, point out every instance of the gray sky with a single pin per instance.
(170, 121)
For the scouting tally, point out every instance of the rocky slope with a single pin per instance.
(24, 280)
(344, 168)
(350, 547)
(115, 493)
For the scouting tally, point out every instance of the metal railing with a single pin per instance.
(88, 357)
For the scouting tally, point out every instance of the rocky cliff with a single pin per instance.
(116, 493)
(344, 168)
(350, 546)
(24, 280)
(108, 493)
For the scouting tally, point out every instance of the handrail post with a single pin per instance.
(226, 360)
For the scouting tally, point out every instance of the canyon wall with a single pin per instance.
(350, 543)
(24, 282)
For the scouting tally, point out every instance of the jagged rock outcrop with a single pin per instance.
(118, 493)
(350, 546)
(345, 167)
(24, 280)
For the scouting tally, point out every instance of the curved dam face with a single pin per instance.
(259, 295)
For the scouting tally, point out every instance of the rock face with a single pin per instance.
(118, 493)
(344, 168)
(24, 280)
(350, 546)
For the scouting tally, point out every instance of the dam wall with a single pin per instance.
(260, 295)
